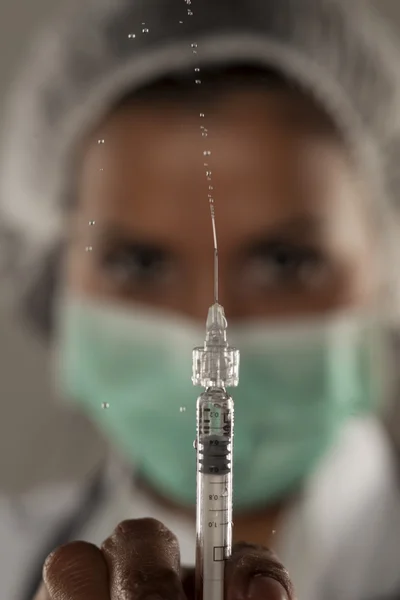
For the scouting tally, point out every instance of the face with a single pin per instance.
(293, 234)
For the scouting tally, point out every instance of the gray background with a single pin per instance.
(39, 439)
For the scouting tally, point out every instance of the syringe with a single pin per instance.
(215, 367)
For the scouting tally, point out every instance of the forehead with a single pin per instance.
(264, 157)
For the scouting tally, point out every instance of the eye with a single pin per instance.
(285, 264)
(137, 264)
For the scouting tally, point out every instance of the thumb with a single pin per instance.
(42, 593)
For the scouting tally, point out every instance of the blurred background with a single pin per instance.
(39, 439)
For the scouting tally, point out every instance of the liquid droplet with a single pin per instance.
(100, 141)
(273, 531)
(204, 134)
(182, 409)
(89, 248)
(202, 115)
(131, 36)
(91, 223)
(101, 170)
(188, 2)
(224, 493)
(105, 405)
(208, 173)
(197, 70)
(210, 187)
(145, 30)
(195, 444)
(180, 22)
(207, 153)
(190, 13)
(198, 81)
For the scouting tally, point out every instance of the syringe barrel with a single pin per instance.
(214, 444)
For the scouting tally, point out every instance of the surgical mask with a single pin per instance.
(131, 372)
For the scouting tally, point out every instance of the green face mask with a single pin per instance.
(132, 373)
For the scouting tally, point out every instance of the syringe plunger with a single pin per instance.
(216, 364)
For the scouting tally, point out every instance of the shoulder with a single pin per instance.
(369, 532)
(347, 524)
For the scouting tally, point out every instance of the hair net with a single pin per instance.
(99, 50)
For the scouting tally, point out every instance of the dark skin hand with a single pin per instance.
(141, 560)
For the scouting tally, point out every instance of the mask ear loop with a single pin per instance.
(38, 300)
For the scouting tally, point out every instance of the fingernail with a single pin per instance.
(266, 588)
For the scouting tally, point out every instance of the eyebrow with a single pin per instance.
(296, 227)
(111, 233)
(111, 236)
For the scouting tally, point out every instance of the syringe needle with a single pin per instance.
(214, 228)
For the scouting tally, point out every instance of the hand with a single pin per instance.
(140, 561)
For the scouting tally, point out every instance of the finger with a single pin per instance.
(42, 593)
(143, 561)
(76, 571)
(255, 573)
